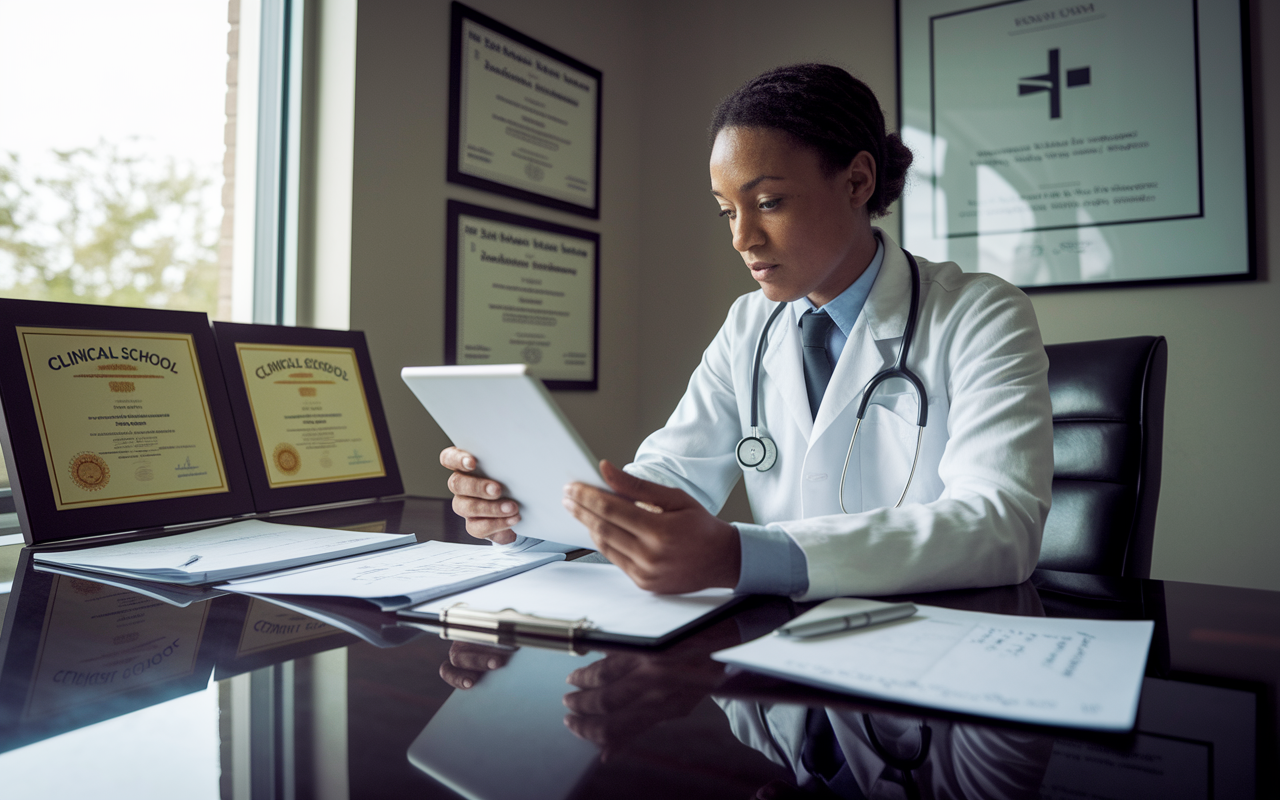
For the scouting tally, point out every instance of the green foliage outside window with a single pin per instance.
(108, 225)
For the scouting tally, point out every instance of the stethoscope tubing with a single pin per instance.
(898, 370)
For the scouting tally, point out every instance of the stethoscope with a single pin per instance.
(760, 453)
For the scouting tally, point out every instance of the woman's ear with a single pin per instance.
(861, 179)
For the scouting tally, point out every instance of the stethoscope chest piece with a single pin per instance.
(757, 452)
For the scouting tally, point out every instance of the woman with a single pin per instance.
(800, 165)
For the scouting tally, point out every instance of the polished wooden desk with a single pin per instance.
(105, 691)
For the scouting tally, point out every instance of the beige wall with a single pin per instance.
(668, 273)
(398, 214)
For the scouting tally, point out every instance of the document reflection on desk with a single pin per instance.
(101, 651)
(1070, 672)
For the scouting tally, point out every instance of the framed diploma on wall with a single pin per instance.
(524, 118)
(1079, 144)
(115, 419)
(520, 290)
(310, 417)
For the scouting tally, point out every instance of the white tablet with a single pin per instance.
(507, 420)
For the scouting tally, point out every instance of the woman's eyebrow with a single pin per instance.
(751, 184)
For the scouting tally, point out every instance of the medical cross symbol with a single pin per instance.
(1051, 82)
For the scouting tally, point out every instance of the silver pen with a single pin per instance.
(844, 614)
(191, 561)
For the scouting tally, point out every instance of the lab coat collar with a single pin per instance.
(886, 309)
(783, 364)
(883, 318)
(868, 350)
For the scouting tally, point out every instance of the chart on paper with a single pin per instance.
(1053, 671)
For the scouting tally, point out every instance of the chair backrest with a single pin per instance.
(1108, 433)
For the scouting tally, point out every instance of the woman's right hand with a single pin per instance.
(479, 500)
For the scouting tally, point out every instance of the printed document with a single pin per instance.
(401, 577)
(1070, 672)
(212, 555)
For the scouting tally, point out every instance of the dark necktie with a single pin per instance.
(814, 328)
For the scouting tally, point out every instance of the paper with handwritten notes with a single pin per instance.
(1069, 672)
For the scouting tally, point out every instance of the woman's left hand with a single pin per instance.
(682, 548)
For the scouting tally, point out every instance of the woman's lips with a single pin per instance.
(761, 269)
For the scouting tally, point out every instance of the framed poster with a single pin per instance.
(520, 290)
(524, 118)
(1068, 145)
(309, 415)
(115, 419)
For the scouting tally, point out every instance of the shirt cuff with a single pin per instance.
(772, 563)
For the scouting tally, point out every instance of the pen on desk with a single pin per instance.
(191, 561)
(799, 628)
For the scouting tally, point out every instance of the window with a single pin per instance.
(130, 155)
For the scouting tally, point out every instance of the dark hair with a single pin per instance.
(827, 109)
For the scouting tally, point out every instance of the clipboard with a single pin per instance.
(577, 602)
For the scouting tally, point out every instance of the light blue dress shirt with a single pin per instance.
(772, 563)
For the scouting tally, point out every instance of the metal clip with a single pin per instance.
(508, 619)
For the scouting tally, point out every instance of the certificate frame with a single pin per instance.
(24, 448)
(455, 284)
(459, 14)
(269, 498)
(1212, 239)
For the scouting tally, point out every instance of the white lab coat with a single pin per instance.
(976, 508)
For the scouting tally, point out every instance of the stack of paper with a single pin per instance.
(399, 578)
(223, 553)
(1070, 672)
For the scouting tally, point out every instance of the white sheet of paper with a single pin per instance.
(603, 593)
(243, 547)
(1071, 672)
(419, 571)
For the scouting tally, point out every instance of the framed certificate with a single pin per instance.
(115, 419)
(520, 290)
(1075, 145)
(309, 414)
(524, 119)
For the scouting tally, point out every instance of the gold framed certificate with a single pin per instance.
(309, 414)
(123, 415)
(115, 419)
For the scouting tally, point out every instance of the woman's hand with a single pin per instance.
(469, 662)
(479, 500)
(681, 548)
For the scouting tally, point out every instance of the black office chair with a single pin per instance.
(1108, 432)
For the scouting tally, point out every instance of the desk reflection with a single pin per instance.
(74, 652)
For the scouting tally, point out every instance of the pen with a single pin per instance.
(801, 629)
(191, 561)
